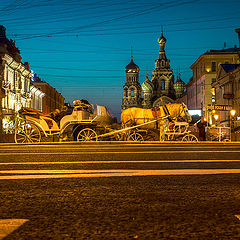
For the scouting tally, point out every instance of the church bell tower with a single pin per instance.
(132, 87)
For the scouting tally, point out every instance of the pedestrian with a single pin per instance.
(201, 129)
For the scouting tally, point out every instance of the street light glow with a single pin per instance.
(233, 112)
(216, 117)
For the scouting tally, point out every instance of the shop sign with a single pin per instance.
(219, 107)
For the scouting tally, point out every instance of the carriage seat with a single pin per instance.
(32, 112)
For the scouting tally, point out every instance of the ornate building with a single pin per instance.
(179, 87)
(162, 76)
(132, 87)
(14, 82)
(158, 90)
(147, 90)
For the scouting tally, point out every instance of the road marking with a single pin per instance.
(114, 152)
(38, 174)
(7, 226)
(120, 161)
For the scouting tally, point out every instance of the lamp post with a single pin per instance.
(232, 112)
(216, 118)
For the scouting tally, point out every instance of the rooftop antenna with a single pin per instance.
(224, 45)
(131, 52)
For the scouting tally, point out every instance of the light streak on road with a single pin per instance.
(41, 174)
(115, 152)
(120, 161)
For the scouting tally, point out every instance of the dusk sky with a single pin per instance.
(82, 47)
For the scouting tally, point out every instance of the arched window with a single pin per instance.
(132, 92)
(125, 92)
(163, 84)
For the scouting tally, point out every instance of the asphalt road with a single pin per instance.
(120, 191)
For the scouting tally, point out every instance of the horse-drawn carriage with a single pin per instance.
(34, 126)
(83, 125)
(171, 121)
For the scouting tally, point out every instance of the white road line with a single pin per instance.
(112, 173)
(127, 152)
(120, 161)
(7, 226)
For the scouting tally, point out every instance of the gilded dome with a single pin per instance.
(132, 67)
(162, 39)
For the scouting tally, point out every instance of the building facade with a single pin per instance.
(199, 89)
(52, 99)
(227, 91)
(36, 98)
(14, 81)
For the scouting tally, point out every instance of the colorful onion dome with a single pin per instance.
(147, 85)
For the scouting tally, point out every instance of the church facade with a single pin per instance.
(161, 89)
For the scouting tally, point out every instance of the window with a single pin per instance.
(214, 66)
(163, 85)
(132, 92)
(213, 80)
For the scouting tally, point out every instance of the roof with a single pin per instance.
(223, 51)
(226, 51)
(229, 67)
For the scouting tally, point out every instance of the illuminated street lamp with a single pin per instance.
(233, 112)
(216, 117)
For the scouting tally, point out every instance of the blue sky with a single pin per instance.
(82, 47)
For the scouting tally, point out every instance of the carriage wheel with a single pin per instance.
(87, 134)
(135, 137)
(190, 138)
(27, 132)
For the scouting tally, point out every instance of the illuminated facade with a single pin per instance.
(199, 89)
(52, 99)
(15, 81)
(227, 90)
(36, 98)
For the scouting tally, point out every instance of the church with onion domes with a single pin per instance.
(161, 89)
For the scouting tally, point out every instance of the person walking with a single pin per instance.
(201, 129)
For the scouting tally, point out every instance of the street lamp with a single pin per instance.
(216, 118)
(233, 112)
